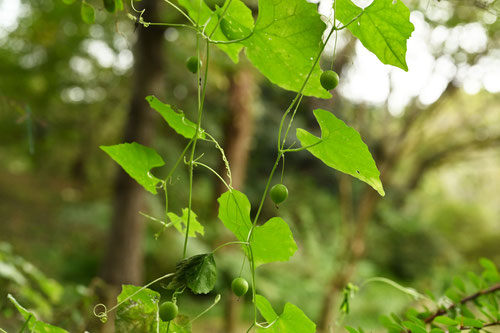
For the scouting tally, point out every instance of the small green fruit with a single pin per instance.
(239, 286)
(329, 80)
(168, 311)
(279, 193)
(193, 63)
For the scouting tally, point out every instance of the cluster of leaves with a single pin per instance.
(285, 44)
(470, 304)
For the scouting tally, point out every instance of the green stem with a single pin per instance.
(215, 173)
(25, 323)
(229, 243)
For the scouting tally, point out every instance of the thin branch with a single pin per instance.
(464, 300)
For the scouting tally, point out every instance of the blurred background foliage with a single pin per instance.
(64, 90)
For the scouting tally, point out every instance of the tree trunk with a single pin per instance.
(123, 262)
(238, 137)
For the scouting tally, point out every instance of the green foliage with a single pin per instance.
(87, 13)
(139, 311)
(292, 320)
(383, 28)
(34, 325)
(110, 5)
(180, 223)
(237, 12)
(272, 241)
(198, 273)
(285, 42)
(341, 148)
(137, 160)
(175, 119)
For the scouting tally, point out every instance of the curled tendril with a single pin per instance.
(263, 325)
(103, 315)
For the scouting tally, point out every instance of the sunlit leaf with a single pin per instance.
(137, 160)
(342, 148)
(180, 223)
(383, 28)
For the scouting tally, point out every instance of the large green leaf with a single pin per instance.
(139, 312)
(197, 272)
(175, 119)
(292, 320)
(286, 40)
(270, 242)
(237, 12)
(341, 148)
(137, 160)
(383, 28)
(180, 223)
(87, 13)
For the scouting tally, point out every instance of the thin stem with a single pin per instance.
(215, 173)
(289, 150)
(182, 12)
(144, 23)
(230, 41)
(25, 323)
(351, 21)
(229, 243)
(217, 300)
(226, 6)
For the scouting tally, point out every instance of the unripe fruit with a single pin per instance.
(329, 80)
(168, 311)
(239, 286)
(192, 64)
(279, 193)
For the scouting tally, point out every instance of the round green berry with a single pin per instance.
(193, 63)
(279, 193)
(168, 311)
(329, 80)
(239, 286)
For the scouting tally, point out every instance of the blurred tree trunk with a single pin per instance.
(123, 261)
(238, 137)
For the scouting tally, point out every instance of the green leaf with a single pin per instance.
(137, 160)
(180, 223)
(68, 2)
(197, 272)
(292, 320)
(237, 12)
(287, 38)
(139, 312)
(383, 28)
(459, 284)
(436, 330)
(87, 13)
(270, 242)
(472, 322)
(181, 324)
(119, 4)
(175, 119)
(490, 270)
(351, 329)
(445, 321)
(414, 327)
(34, 325)
(341, 148)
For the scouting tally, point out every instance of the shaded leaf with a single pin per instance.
(197, 272)
(180, 223)
(292, 320)
(139, 312)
